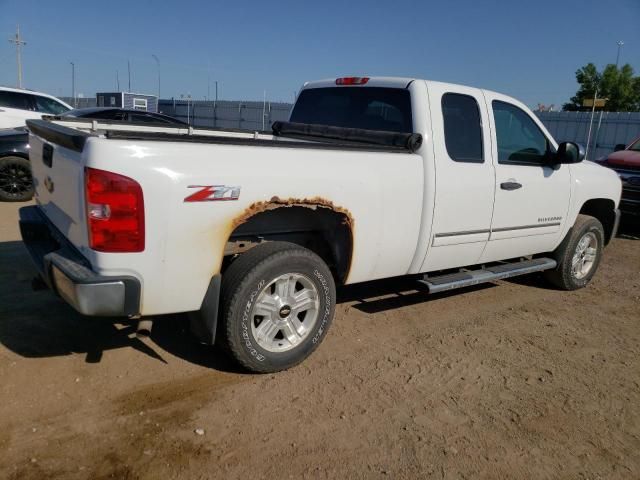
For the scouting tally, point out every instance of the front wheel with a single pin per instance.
(278, 300)
(578, 255)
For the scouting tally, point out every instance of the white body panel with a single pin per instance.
(405, 207)
(464, 192)
(519, 214)
(15, 117)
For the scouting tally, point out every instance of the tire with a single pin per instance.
(578, 255)
(16, 183)
(278, 301)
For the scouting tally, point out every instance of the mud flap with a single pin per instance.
(204, 322)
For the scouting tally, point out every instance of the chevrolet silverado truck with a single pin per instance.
(251, 232)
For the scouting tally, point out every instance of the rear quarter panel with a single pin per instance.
(185, 240)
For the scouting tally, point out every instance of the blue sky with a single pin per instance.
(528, 49)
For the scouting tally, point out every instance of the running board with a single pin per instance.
(497, 272)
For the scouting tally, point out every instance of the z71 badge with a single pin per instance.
(213, 193)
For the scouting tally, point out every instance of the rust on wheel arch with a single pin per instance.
(312, 203)
(277, 202)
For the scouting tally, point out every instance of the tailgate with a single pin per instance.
(57, 162)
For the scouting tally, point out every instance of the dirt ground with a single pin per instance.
(508, 380)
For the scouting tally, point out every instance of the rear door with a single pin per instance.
(532, 197)
(464, 186)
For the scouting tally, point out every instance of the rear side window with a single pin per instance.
(462, 128)
(141, 118)
(369, 108)
(50, 106)
(21, 101)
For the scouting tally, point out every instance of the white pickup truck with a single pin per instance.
(251, 232)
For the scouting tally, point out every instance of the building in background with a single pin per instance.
(128, 100)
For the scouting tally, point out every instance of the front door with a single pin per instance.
(531, 196)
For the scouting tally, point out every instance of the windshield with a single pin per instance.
(369, 108)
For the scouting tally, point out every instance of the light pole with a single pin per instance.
(73, 83)
(620, 44)
(158, 63)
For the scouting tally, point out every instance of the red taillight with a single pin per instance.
(352, 80)
(115, 212)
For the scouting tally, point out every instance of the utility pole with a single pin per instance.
(620, 44)
(129, 70)
(17, 40)
(73, 83)
(117, 81)
(158, 62)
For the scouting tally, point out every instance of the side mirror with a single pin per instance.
(619, 146)
(569, 152)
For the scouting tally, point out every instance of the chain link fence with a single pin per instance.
(607, 129)
(244, 115)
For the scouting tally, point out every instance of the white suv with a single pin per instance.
(18, 105)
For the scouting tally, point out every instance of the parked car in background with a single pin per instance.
(15, 170)
(626, 162)
(123, 115)
(18, 105)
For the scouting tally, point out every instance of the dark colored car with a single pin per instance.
(626, 162)
(15, 170)
(121, 115)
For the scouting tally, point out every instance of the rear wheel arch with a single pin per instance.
(14, 154)
(324, 230)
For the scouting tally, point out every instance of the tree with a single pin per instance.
(617, 85)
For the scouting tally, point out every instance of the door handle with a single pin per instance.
(510, 185)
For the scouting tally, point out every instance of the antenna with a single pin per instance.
(17, 39)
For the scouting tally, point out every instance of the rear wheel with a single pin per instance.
(578, 255)
(278, 301)
(16, 184)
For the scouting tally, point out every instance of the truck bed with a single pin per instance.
(72, 133)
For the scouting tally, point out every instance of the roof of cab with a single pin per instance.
(397, 82)
(388, 82)
(32, 92)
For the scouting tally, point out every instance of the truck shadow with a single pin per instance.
(391, 293)
(37, 324)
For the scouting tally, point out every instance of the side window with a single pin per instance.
(462, 128)
(520, 141)
(107, 115)
(141, 118)
(140, 104)
(50, 106)
(18, 100)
